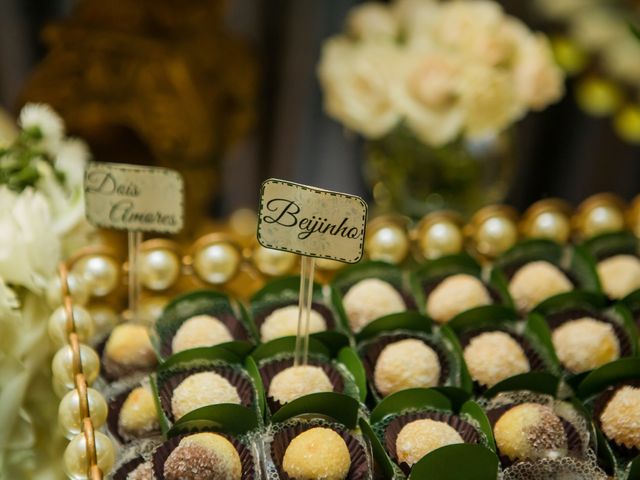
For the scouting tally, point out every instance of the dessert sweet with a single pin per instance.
(295, 382)
(620, 419)
(200, 331)
(585, 343)
(370, 299)
(408, 363)
(203, 456)
(128, 350)
(317, 453)
(420, 437)
(535, 282)
(528, 431)
(283, 322)
(493, 356)
(454, 295)
(619, 275)
(202, 389)
(138, 416)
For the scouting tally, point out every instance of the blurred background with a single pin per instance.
(228, 93)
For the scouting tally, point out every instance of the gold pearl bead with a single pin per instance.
(70, 417)
(216, 263)
(273, 262)
(159, 269)
(387, 243)
(601, 213)
(62, 365)
(493, 230)
(76, 460)
(550, 225)
(104, 318)
(77, 289)
(58, 325)
(440, 238)
(99, 272)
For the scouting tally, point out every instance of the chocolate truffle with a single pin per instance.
(370, 299)
(144, 471)
(405, 364)
(535, 282)
(128, 350)
(494, 356)
(294, 382)
(138, 416)
(585, 344)
(528, 431)
(317, 453)
(200, 331)
(420, 437)
(283, 322)
(620, 419)
(454, 295)
(202, 389)
(619, 275)
(203, 456)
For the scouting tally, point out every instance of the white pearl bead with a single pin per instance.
(216, 263)
(273, 262)
(442, 238)
(159, 269)
(58, 325)
(388, 244)
(62, 365)
(77, 289)
(70, 417)
(99, 272)
(104, 318)
(76, 459)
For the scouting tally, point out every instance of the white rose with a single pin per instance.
(358, 80)
(47, 121)
(372, 21)
(538, 79)
(430, 97)
(418, 19)
(490, 100)
(71, 159)
(29, 248)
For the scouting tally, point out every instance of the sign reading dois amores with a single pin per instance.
(311, 221)
(134, 198)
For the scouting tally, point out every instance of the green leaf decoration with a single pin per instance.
(609, 374)
(540, 382)
(530, 251)
(457, 462)
(583, 267)
(609, 244)
(448, 265)
(412, 398)
(632, 301)
(254, 373)
(286, 288)
(634, 469)
(481, 317)
(350, 359)
(625, 317)
(331, 339)
(500, 282)
(466, 382)
(379, 453)
(606, 458)
(337, 406)
(162, 418)
(369, 269)
(412, 321)
(457, 396)
(287, 345)
(538, 329)
(569, 300)
(338, 307)
(217, 352)
(476, 412)
(225, 417)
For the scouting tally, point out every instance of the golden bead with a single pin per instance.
(100, 273)
(601, 213)
(493, 230)
(62, 365)
(387, 243)
(244, 222)
(273, 262)
(77, 289)
(76, 460)
(547, 219)
(216, 263)
(70, 417)
(159, 268)
(84, 327)
(439, 234)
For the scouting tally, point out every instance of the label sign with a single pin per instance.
(311, 221)
(134, 198)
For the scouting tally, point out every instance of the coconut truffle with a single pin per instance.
(494, 356)
(454, 295)
(295, 382)
(370, 299)
(585, 344)
(619, 275)
(144, 471)
(620, 419)
(420, 437)
(200, 331)
(529, 430)
(202, 389)
(405, 364)
(203, 456)
(535, 282)
(283, 322)
(128, 350)
(317, 453)
(138, 416)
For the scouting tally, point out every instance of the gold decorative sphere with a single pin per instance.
(439, 234)
(386, 241)
(100, 273)
(84, 327)
(273, 262)
(601, 213)
(493, 230)
(70, 417)
(547, 219)
(76, 459)
(217, 262)
(62, 365)
(77, 289)
(159, 268)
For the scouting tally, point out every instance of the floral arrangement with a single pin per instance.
(41, 218)
(445, 70)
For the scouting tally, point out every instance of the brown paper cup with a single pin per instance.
(113, 417)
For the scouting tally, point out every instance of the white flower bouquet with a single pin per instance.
(444, 70)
